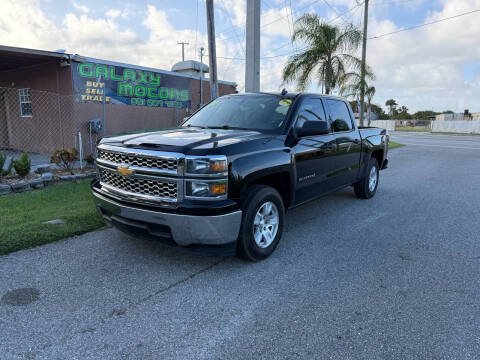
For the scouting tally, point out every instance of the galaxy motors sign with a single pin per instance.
(121, 85)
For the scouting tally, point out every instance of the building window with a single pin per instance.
(25, 102)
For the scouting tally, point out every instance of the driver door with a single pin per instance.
(314, 155)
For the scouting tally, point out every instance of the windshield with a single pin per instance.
(261, 112)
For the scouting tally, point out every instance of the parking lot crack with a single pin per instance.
(179, 282)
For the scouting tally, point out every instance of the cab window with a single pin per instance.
(310, 110)
(339, 115)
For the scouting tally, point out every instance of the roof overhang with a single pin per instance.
(14, 57)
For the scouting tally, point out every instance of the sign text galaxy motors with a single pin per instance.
(129, 86)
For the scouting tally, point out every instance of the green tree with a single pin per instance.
(392, 104)
(369, 93)
(328, 55)
(423, 114)
(378, 110)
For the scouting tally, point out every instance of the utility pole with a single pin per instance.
(252, 64)
(212, 52)
(364, 56)
(201, 76)
(183, 43)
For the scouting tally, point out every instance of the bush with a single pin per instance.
(90, 160)
(3, 158)
(65, 158)
(22, 165)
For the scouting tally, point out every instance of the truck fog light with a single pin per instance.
(199, 189)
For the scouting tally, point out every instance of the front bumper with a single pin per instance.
(183, 229)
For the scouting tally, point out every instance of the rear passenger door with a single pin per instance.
(314, 159)
(348, 141)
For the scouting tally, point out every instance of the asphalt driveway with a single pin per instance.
(394, 277)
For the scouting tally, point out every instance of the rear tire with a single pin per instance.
(367, 187)
(262, 223)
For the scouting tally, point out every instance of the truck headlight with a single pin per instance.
(206, 189)
(206, 165)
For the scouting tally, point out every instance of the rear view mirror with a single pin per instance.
(311, 128)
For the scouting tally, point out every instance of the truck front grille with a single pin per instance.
(139, 160)
(139, 185)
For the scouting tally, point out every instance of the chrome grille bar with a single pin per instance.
(153, 177)
(141, 187)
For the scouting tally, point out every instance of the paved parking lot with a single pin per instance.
(394, 277)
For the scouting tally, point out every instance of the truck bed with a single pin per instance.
(367, 131)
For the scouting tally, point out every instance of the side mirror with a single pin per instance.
(311, 128)
(340, 125)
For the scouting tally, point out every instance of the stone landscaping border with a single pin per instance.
(46, 178)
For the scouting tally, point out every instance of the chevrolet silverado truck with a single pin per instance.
(225, 178)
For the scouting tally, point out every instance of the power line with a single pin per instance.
(356, 7)
(425, 24)
(235, 30)
(196, 29)
(277, 19)
(334, 10)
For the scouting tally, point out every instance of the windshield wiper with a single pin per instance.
(226, 127)
(197, 126)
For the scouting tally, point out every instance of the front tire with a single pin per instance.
(367, 187)
(262, 223)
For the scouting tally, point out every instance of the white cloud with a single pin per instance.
(81, 8)
(421, 69)
(277, 22)
(236, 9)
(113, 13)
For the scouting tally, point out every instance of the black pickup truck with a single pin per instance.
(224, 179)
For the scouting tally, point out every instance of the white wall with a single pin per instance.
(385, 124)
(467, 127)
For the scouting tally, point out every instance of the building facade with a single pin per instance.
(48, 98)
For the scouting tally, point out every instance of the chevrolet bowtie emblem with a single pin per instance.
(125, 170)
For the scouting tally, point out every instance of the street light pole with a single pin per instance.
(364, 55)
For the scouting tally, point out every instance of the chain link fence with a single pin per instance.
(38, 122)
(41, 122)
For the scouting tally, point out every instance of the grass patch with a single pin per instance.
(412, 129)
(22, 215)
(393, 145)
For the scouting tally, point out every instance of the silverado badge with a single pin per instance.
(124, 170)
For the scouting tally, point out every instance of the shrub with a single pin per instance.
(90, 160)
(65, 158)
(22, 165)
(3, 158)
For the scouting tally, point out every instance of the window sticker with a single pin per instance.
(285, 102)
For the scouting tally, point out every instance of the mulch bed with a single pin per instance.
(13, 179)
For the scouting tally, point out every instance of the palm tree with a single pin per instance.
(392, 105)
(352, 88)
(328, 54)
(369, 93)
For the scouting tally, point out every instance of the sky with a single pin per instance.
(436, 67)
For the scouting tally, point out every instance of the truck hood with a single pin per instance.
(186, 140)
